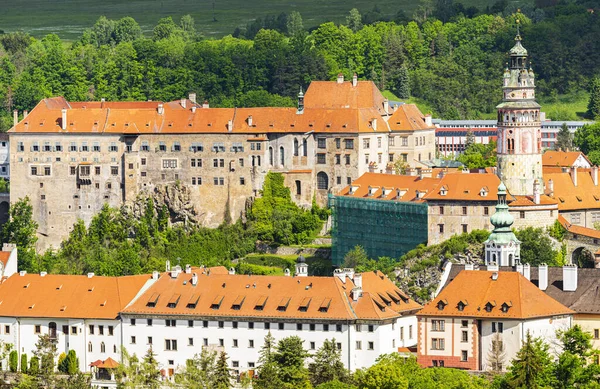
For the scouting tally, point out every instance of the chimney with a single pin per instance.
(193, 109)
(386, 106)
(340, 78)
(230, 125)
(339, 273)
(520, 268)
(22, 273)
(551, 187)
(175, 272)
(25, 113)
(356, 293)
(43, 274)
(90, 275)
(155, 275)
(594, 174)
(250, 121)
(64, 119)
(188, 269)
(492, 267)
(102, 100)
(205, 104)
(286, 272)
(184, 103)
(194, 279)
(15, 117)
(469, 266)
(160, 109)
(192, 97)
(543, 276)
(349, 272)
(374, 124)
(354, 79)
(231, 271)
(574, 175)
(569, 278)
(168, 265)
(536, 191)
(357, 279)
(527, 272)
(428, 120)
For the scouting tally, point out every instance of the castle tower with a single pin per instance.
(502, 247)
(519, 127)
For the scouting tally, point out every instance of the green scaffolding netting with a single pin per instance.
(381, 227)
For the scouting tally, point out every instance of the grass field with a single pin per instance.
(68, 18)
(566, 107)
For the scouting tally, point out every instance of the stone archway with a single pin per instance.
(582, 257)
(4, 206)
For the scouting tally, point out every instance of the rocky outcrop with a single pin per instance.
(176, 198)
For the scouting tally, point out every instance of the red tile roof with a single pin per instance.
(578, 230)
(409, 186)
(408, 118)
(585, 195)
(562, 158)
(477, 289)
(4, 255)
(328, 94)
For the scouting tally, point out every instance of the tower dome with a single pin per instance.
(502, 247)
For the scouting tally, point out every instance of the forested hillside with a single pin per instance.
(450, 58)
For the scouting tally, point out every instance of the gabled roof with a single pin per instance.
(391, 183)
(585, 195)
(54, 296)
(467, 187)
(331, 94)
(408, 117)
(563, 158)
(4, 256)
(480, 288)
(578, 230)
(229, 295)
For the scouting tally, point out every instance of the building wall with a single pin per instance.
(373, 152)
(4, 158)
(412, 146)
(582, 217)
(589, 323)
(519, 171)
(539, 217)
(477, 217)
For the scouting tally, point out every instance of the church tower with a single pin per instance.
(502, 247)
(519, 127)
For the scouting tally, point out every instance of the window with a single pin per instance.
(338, 159)
(190, 341)
(111, 331)
(101, 330)
(379, 142)
(313, 345)
(114, 170)
(391, 158)
(205, 324)
(391, 140)
(281, 326)
(242, 181)
(162, 146)
(366, 143)
(84, 171)
(221, 324)
(441, 228)
(347, 159)
(464, 228)
(464, 323)
(321, 158)
(371, 328)
(322, 143)
(371, 345)
(322, 181)
(34, 171)
(47, 146)
(349, 144)
(299, 326)
(497, 327)
(169, 163)
(338, 180)
(133, 340)
(219, 181)
(251, 343)
(596, 333)
(267, 326)
(149, 322)
(296, 147)
(348, 180)
(367, 159)
(176, 146)
(358, 345)
(145, 146)
(410, 331)
(298, 187)
(437, 344)
(20, 146)
(113, 148)
(404, 141)
(522, 214)
(338, 327)
(205, 341)
(90, 348)
(438, 325)
(486, 211)
(325, 327)
(96, 147)
(38, 329)
(102, 347)
(441, 209)
(72, 170)
(463, 356)
(465, 336)
(170, 323)
(84, 146)
(464, 210)
(235, 343)
(171, 344)
(404, 157)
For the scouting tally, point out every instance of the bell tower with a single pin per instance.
(519, 128)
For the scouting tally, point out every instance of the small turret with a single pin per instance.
(502, 247)
(300, 102)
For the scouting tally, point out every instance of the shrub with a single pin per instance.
(34, 366)
(13, 361)
(24, 363)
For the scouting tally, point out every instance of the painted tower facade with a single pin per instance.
(519, 126)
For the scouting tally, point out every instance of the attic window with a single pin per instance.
(114, 124)
(95, 122)
(328, 125)
(344, 125)
(126, 124)
(216, 304)
(561, 199)
(304, 304)
(402, 295)
(380, 305)
(489, 306)
(63, 308)
(443, 192)
(31, 306)
(324, 307)
(442, 304)
(271, 125)
(283, 304)
(462, 304)
(153, 300)
(394, 297)
(148, 124)
(260, 304)
(170, 124)
(209, 124)
(596, 198)
(59, 287)
(91, 289)
(103, 304)
(237, 304)
(26, 286)
(189, 124)
(506, 306)
(386, 300)
(311, 124)
(483, 192)
(193, 301)
(578, 198)
(174, 300)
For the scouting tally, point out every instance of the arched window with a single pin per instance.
(305, 148)
(52, 330)
(281, 156)
(258, 160)
(510, 260)
(102, 347)
(90, 347)
(253, 160)
(322, 181)
(296, 146)
(298, 187)
(271, 156)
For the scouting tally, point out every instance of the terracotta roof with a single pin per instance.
(4, 255)
(527, 201)
(579, 230)
(109, 363)
(321, 298)
(33, 295)
(409, 186)
(408, 118)
(328, 94)
(562, 158)
(467, 187)
(477, 290)
(585, 195)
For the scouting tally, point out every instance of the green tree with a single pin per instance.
(222, 374)
(268, 374)
(13, 361)
(354, 20)
(381, 376)
(536, 246)
(34, 366)
(149, 373)
(335, 384)
(531, 367)
(327, 364)
(45, 352)
(564, 139)
(587, 139)
(72, 363)
(199, 371)
(593, 108)
(24, 363)
(74, 381)
(289, 356)
(21, 229)
(294, 23)
(573, 368)
(355, 257)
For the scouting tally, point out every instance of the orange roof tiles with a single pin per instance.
(4, 255)
(408, 117)
(409, 186)
(328, 94)
(476, 289)
(467, 187)
(562, 158)
(271, 297)
(33, 295)
(578, 230)
(528, 201)
(585, 195)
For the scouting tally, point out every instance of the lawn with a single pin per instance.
(68, 18)
(566, 107)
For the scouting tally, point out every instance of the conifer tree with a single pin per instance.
(564, 139)
(327, 364)
(290, 357)
(531, 367)
(222, 375)
(268, 375)
(149, 374)
(593, 111)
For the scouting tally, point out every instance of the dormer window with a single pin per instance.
(443, 192)
(442, 304)
(237, 304)
(283, 304)
(506, 306)
(260, 304)
(216, 304)
(489, 306)
(462, 304)
(483, 192)
(324, 307)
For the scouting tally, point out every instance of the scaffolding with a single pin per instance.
(384, 228)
